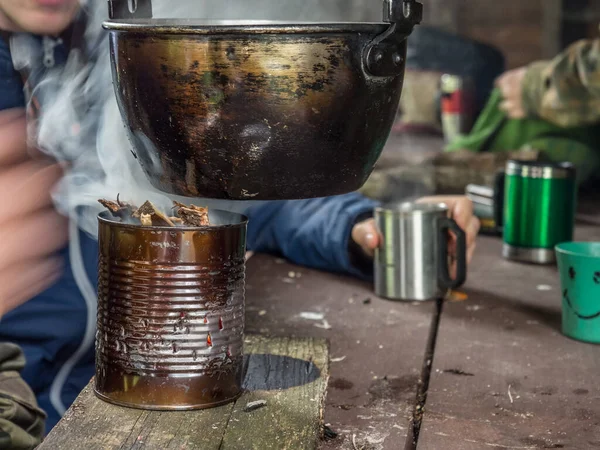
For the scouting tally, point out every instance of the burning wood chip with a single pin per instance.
(150, 215)
(146, 220)
(118, 208)
(157, 217)
(192, 215)
(111, 206)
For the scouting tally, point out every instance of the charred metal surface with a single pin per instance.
(254, 112)
(170, 314)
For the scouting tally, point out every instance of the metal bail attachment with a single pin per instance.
(385, 56)
(130, 9)
(407, 13)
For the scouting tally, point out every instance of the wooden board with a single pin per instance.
(294, 392)
(290, 374)
(377, 346)
(504, 377)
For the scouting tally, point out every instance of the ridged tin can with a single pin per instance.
(539, 209)
(170, 328)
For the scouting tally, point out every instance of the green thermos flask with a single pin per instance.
(539, 209)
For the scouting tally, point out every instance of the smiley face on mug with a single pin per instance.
(592, 278)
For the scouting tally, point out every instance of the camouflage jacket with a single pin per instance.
(566, 90)
(21, 421)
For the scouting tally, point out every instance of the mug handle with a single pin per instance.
(499, 183)
(444, 280)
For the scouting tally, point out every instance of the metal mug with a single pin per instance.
(412, 262)
(539, 209)
(171, 313)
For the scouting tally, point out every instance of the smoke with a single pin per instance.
(81, 125)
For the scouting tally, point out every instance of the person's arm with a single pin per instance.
(314, 232)
(566, 90)
(27, 265)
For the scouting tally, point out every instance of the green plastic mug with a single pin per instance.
(579, 267)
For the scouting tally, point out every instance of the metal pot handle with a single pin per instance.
(130, 9)
(384, 56)
(405, 13)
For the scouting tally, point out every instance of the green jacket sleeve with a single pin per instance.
(566, 90)
(21, 421)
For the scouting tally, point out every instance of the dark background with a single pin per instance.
(524, 30)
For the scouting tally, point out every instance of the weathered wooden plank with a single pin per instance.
(504, 376)
(377, 346)
(179, 430)
(296, 380)
(94, 424)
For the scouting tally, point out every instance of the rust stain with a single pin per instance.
(456, 296)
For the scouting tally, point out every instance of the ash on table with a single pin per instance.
(149, 215)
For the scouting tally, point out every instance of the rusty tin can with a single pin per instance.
(171, 313)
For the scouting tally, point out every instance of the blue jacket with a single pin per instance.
(56, 329)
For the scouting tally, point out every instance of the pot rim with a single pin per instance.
(205, 27)
(105, 217)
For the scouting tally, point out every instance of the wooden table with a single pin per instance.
(377, 347)
(505, 336)
(504, 377)
(502, 374)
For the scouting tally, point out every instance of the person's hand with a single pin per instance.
(366, 235)
(511, 86)
(31, 231)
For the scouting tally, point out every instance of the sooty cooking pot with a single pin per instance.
(258, 110)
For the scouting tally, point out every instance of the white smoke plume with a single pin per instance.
(81, 124)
